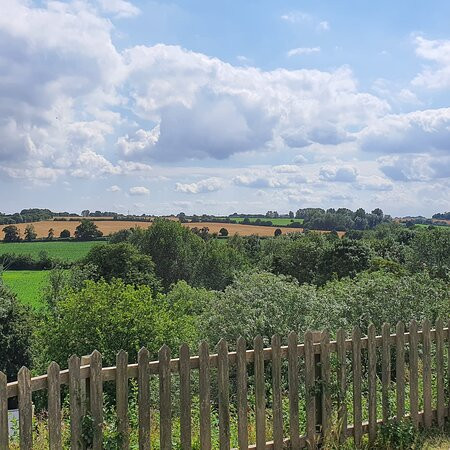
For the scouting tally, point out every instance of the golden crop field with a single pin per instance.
(111, 226)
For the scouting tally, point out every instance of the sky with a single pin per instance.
(229, 106)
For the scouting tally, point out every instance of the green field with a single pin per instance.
(66, 250)
(27, 285)
(282, 222)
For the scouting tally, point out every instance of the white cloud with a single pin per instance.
(300, 159)
(212, 184)
(120, 8)
(437, 52)
(286, 168)
(340, 174)
(114, 188)
(138, 190)
(323, 26)
(303, 51)
(296, 17)
(415, 132)
(373, 183)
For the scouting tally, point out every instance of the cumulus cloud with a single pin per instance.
(138, 190)
(373, 183)
(114, 188)
(341, 174)
(119, 8)
(208, 185)
(438, 53)
(415, 132)
(303, 51)
(415, 167)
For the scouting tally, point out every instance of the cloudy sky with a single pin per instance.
(224, 106)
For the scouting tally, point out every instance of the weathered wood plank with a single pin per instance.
(448, 368)
(356, 366)
(260, 393)
(54, 407)
(372, 361)
(25, 409)
(342, 384)
(122, 398)
(96, 399)
(385, 371)
(294, 430)
(144, 399)
(4, 438)
(310, 390)
(224, 395)
(426, 363)
(241, 375)
(440, 373)
(400, 369)
(205, 395)
(414, 373)
(165, 399)
(276, 393)
(325, 372)
(185, 399)
(75, 402)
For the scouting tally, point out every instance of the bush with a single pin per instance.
(15, 334)
(64, 234)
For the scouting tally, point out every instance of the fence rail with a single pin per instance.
(321, 387)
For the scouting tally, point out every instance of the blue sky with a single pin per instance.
(224, 106)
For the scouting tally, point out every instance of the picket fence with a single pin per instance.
(361, 365)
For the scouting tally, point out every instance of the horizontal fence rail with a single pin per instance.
(297, 395)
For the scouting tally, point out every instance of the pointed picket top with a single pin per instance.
(258, 341)
(400, 328)
(74, 359)
(439, 323)
(386, 329)
(276, 340)
(241, 342)
(413, 325)
(53, 367)
(96, 355)
(325, 336)
(3, 377)
(122, 354)
(341, 334)
(426, 324)
(293, 336)
(356, 333)
(184, 349)
(203, 347)
(164, 352)
(308, 335)
(222, 346)
(143, 352)
(372, 330)
(24, 372)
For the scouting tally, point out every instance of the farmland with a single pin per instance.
(27, 285)
(110, 226)
(64, 250)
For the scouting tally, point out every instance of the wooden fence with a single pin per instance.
(292, 402)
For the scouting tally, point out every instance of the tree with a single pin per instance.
(15, 334)
(174, 249)
(223, 232)
(30, 232)
(51, 234)
(291, 214)
(122, 261)
(85, 213)
(64, 234)
(12, 234)
(87, 230)
(277, 232)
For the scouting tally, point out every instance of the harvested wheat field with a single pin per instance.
(111, 226)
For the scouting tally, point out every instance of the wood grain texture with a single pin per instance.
(260, 393)
(25, 409)
(185, 399)
(54, 407)
(414, 373)
(165, 399)
(342, 384)
(224, 395)
(241, 375)
(400, 369)
(372, 375)
(205, 394)
(4, 438)
(294, 430)
(122, 399)
(310, 386)
(385, 371)
(277, 410)
(356, 366)
(426, 367)
(96, 399)
(440, 403)
(144, 399)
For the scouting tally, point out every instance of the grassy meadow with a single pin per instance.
(27, 285)
(64, 250)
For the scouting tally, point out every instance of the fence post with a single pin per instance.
(85, 387)
(317, 336)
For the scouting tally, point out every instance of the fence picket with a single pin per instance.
(342, 381)
(25, 409)
(372, 374)
(294, 430)
(276, 393)
(75, 402)
(4, 438)
(260, 393)
(144, 399)
(448, 368)
(54, 407)
(414, 373)
(122, 398)
(310, 390)
(185, 399)
(204, 393)
(356, 365)
(241, 375)
(165, 400)
(385, 371)
(224, 395)
(96, 399)
(400, 369)
(426, 362)
(325, 372)
(440, 394)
